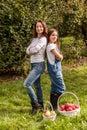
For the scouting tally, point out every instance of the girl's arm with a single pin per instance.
(57, 54)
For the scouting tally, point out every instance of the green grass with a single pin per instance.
(15, 104)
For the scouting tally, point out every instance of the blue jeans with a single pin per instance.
(34, 78)
(55, 73)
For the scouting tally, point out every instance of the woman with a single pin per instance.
(36, 50)
(54, 58)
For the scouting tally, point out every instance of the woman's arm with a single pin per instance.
(57, 54)
(28, 50)
(36, 48)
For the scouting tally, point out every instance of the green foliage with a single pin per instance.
(15, 104)
(25, 68)
(71, 48)
(16, 25)
(84, 52)
(14, 35)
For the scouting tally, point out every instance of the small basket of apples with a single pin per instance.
(67, 108)
(49, 113)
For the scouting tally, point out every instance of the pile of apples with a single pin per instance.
(49, 113)
(69, 107)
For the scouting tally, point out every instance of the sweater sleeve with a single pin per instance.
(28, 50)
(36, 48)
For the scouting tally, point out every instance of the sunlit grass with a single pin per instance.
(15, 104)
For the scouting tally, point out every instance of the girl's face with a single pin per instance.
(39, 28)
(53, 37)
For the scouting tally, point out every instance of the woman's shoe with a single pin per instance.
(35, 107)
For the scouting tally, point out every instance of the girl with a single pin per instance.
(36, 51)
(54, 58)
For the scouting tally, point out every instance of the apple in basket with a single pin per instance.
(52, 113)
(68, 107)
(47, 113)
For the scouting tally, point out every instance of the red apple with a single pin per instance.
(76, 106)
(69, 109)
(73, 107)
(47, 113)
(68, 105)
(62, 107)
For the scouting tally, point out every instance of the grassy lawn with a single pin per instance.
(15, 106)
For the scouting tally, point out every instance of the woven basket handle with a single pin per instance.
(45, 106)
(67, 93)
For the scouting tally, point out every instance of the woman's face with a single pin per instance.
(39, 28)
(53, 37)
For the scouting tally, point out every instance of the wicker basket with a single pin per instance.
(48, 107)
(72, 112)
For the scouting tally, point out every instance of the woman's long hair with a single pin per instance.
(44, 26)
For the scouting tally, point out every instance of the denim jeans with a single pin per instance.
(34, 78)
(55, 73)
